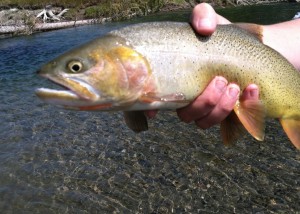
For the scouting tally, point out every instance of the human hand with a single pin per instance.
(218, 99)
(205, 19)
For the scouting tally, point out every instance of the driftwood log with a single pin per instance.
(47, 26)
(51, 21)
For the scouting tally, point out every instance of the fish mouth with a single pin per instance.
(76, 92)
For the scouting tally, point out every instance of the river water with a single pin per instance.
(58, 161)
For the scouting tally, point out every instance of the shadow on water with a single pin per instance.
(262, 14)
(58, 161)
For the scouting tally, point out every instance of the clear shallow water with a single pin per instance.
(56, 161)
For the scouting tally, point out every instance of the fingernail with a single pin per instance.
(233, 92)
(220, 84)
(254, 93)
(204, 23)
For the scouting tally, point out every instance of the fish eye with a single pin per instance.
(75, 66)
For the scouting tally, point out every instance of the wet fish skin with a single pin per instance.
(166, 65)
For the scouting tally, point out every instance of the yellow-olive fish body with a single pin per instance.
(166, 65)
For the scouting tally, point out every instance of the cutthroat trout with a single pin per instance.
(166, 65)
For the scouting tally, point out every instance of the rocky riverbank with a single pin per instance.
(15, 22)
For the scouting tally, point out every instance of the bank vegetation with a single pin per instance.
(109, 7)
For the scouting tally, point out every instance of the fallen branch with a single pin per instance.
(47, 13)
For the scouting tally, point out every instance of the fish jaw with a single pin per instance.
(78, 94)
(70, 100)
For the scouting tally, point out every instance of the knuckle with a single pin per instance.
(226, 109)
(183, 116)
(202, 124)
(211, 102)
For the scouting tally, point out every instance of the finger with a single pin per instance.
(204, 19)
(222, 109)
(204, 103)
(222, 21)
(251, 92)
(150, 114)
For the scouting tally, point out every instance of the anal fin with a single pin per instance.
(136, 120)
(231, 129)
(252, 115)
(292, 129)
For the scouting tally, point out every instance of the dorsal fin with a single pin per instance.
(254, 29)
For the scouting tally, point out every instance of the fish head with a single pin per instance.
(103, 74)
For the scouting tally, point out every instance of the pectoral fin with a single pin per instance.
(152, 97)
(136, 120)
(231, 129)
(252, 114)
(292, 129)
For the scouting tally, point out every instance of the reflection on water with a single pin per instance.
(58, 161)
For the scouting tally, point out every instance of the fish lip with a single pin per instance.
(41, 92)
(91, 95)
